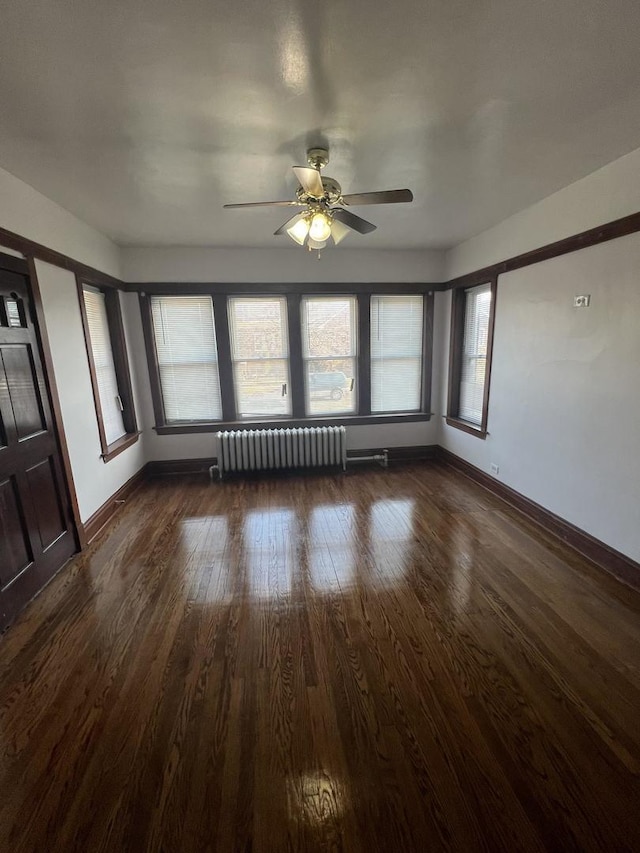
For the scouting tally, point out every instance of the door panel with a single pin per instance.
(15, 553)
(37, 533)
(45, 496)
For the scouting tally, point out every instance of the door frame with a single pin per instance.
(26, 266)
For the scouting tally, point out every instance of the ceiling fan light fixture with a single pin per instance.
(298, 232)
(316, 244)
(320, 228)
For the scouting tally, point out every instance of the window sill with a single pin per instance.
(118, 446)
(289, 423)
(467, 427)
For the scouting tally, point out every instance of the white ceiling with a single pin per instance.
(143, 118)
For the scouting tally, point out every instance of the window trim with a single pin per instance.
(121, 364)
(220, 295)
(458, 301)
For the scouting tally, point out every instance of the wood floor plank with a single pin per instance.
(377, 661)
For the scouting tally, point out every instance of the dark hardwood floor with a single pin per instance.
(380, 661)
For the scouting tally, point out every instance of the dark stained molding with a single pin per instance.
(291, 423)
(102, 516)
(183, 288)
(161, 468)
(164, 467)
(31, 249)
(601, 234)
(413, 453)
(603, 556)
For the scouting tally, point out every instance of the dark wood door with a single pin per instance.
(36, 530)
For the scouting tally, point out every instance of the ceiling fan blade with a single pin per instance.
(288, 224)
(266, 204)
(339, 231)
(310, 180)
(382, 197)
(356, 223)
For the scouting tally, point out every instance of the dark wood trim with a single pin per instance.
(225, 362)
(121, 360)
(94, 525)
(427, 351)
(602, 555)
(31, 249)
(363, 350)
(117, 447)
(164, 467)
(601, 234)
(296, 363)
(412, 453)
(164, 288)
(465, 426)
(456, 339)
(152, 359)
(121, 364)
(54, 399)
(350, 420)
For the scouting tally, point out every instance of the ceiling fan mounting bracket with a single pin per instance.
(317, 157)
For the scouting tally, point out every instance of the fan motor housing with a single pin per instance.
(332, 192)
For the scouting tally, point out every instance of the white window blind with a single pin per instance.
(260, 355)
(329, 349)
(396, 353)
(474, 353)
(185, 339)
(100, 340)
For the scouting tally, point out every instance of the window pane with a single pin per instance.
(260, 353)
(396, 353)
(474, 353)
(329, 345)
(262, 388)
(110, 404)
(185, 340)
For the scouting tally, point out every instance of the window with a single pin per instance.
(111, 383)
(260, 355)
(187, 358)
(396, 353)
(227, 356)
(329, 347)
(471, 342)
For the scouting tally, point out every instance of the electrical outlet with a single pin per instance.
(495, 469)
(582, 301)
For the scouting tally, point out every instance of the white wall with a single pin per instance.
(564, 409)
(31, 215)
(95, 481)
(176, 264)
(279, 265)
(610, 193)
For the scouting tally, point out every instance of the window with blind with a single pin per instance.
(187, 358)
(396, 353)
(260, 356)
(329, 352)
(472, 320)
(108, 368)
(473, 365)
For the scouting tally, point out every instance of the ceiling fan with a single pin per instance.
(325, 214)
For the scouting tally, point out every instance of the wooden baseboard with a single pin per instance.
(162, 467)
(400, 454)
(102, 516)
(602, 555)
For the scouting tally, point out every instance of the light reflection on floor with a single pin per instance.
(332, 547)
